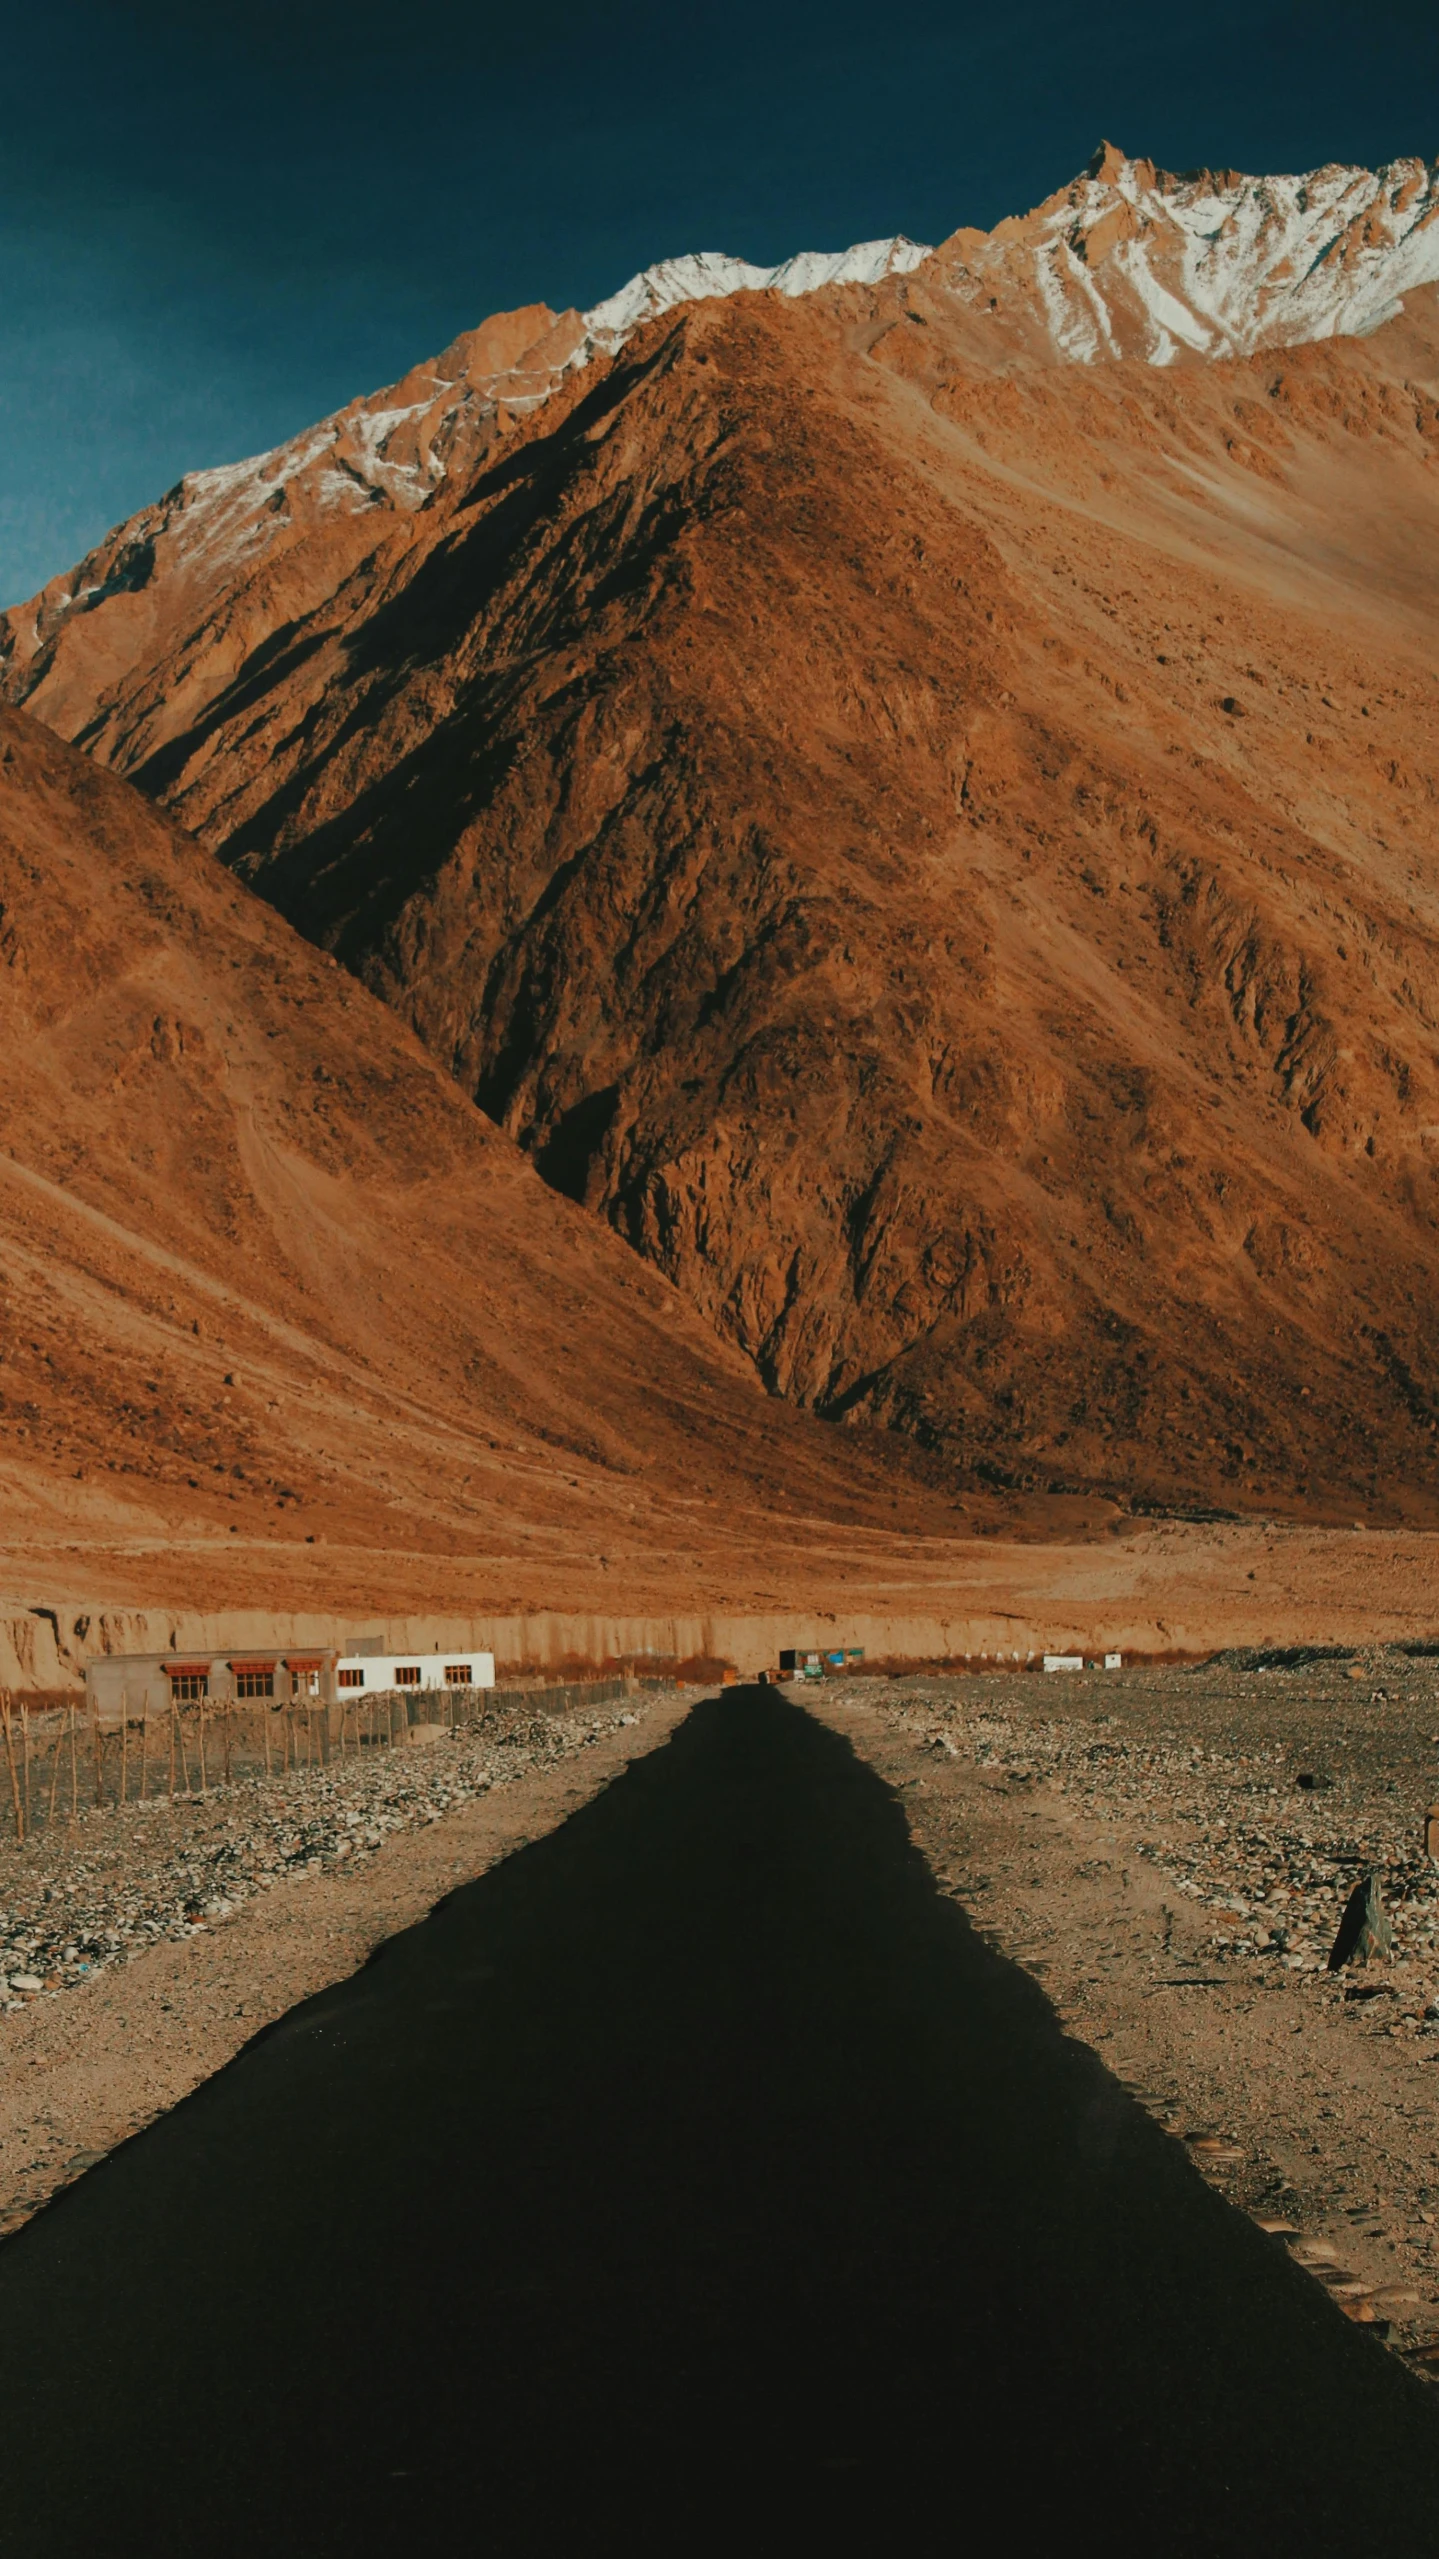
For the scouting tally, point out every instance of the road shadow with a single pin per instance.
(698, 2178)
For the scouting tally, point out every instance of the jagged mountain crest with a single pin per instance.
(1128, 261)
(1132, 260)
(388, 451)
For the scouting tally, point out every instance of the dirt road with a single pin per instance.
(697, 2177)
(162, 1984)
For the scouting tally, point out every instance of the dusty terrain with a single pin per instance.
(191, 1926)
(933, 847)
(811, 873)
(1142, 1842)
(709, 2123)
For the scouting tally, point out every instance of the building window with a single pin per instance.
(187, 1687)
(407, 1674)
(459, 1675)
(352, 1678)
(254, 1683)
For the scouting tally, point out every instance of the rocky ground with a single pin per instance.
(103, 1888)
(143, 1946)
(1169, 1851)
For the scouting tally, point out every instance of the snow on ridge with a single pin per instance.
(1126, 261)
(708, 274)
(1071, 327)
(1223, 267)
(218, 509)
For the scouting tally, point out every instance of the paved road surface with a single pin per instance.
(695, 2180)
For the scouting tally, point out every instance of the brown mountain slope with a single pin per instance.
(943, 863)
(269, 1282)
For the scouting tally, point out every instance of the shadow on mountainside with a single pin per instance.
(697, 2177)
(533, 572)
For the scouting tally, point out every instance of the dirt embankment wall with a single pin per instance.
(44, 1649)
(47, 1648)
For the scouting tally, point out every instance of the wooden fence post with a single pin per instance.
(14, 1776)
(55, 1775)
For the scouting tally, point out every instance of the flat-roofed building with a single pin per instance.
(150, 1683)
(374, 1673)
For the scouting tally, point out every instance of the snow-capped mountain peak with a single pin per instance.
(1128, 261)
(1132, 261)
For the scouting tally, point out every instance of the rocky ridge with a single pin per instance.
(1128, 260)
(382, 455)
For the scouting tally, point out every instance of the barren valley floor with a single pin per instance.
(702, 2163)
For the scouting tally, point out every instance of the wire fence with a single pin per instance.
(570, 1696)
(64, 1759)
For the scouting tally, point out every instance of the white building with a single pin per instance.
(381, 1672)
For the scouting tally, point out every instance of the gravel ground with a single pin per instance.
(1169, 1851)
(1260, 1795)
(125, 1877)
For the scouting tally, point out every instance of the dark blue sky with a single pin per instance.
(217, 222)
